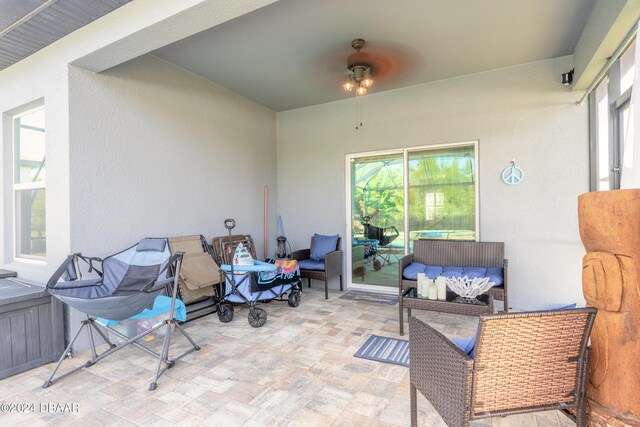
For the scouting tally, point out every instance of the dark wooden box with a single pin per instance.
(31, 327)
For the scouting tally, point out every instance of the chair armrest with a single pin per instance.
(301, 254)
(333, 263)
(404, 261)
(441, 372)
(505, 263)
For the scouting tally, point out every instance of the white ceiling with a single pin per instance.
(293, 53)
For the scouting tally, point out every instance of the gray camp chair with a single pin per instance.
(128, 283)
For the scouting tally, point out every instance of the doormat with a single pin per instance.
(365, 296)
(384, 349)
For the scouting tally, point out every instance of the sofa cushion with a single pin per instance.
(473, 272)
(322, 245)
(311, 264)
(452, 271)
(433, 271)
(496, 275)
(411, 271)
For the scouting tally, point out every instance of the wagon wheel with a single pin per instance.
(294, 298)
(225, 313)
(257, 317)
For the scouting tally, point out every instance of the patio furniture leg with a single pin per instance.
(309, 281)
(49, 381)
(414, 407)
(341, 282)
(164, 357)
(326, 289)
(94, 354)
(401, 316)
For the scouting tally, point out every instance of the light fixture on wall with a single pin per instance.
(567, 78)
(358, 78)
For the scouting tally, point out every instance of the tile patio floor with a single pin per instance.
(297, 370)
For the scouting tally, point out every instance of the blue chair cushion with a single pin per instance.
(468, 345)
(496, 275)
(322, 245)
(452, 271)
(473, 272)
(311, 264)
(560, 306)
(433, 271)
(411, 271)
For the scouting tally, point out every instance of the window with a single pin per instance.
(434, 206)
(611, 122)
(29, 184)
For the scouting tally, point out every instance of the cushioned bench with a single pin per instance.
(456, 257)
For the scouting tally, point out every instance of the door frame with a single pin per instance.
(405, 153)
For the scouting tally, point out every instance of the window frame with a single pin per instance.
(405, 151)
(22, 186)
(617, 102)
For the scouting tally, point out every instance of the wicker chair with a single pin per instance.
(332, 266)
(524, 362)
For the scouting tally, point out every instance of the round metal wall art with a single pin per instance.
(512, 175)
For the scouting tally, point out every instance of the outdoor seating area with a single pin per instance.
(320, 213)
(299, 370)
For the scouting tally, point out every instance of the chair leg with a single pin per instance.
(326, 289)
(309, 281)
(164, 356)
(341, 283)
(414, 406)
(401, 316)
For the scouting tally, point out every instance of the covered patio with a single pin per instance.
(415, 156)
(298, 369)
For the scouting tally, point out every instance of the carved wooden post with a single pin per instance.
(610, 232)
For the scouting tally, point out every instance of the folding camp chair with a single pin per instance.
(384, 236)
(129, 282)
(199, 276)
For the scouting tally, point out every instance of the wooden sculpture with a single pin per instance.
(610, 232)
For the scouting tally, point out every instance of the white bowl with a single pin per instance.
(469, 287)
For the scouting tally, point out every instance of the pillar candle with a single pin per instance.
(441, 284)
(421, 284)
(433, 291)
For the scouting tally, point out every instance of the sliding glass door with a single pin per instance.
(377, 217)
(442, 194)
(398, 196)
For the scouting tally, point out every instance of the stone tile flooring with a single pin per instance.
(297, 370)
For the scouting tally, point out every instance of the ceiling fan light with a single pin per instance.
(361, 90)
(348, 85)
(367, 82)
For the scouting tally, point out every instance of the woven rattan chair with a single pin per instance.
(332, 266)
(524, 362)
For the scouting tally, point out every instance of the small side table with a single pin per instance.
(453, 304)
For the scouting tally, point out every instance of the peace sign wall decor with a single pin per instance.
(512, 175)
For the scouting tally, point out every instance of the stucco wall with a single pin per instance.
(520, 112)
(158, 151)
(129, 31)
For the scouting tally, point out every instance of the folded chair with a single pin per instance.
(129, 282)
(198, 277)
(384, 236)
(524, 362)
(223, 247)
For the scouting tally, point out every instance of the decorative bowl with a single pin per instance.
(467, 287)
